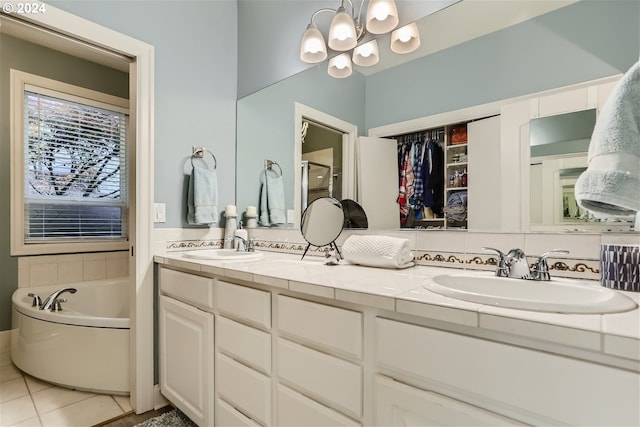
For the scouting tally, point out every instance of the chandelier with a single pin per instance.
(347, 29)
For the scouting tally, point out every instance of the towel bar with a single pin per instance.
(198, 153)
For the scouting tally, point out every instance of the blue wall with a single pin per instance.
(577, 43)
(195, 85)
(266, 124)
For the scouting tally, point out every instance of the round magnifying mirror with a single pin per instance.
(322, 221)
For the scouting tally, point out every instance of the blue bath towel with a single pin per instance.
(202, 197)
(611, 183)
(272, 207)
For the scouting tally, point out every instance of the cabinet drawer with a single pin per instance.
(227, 415)
(295, 409)
(329, 379)
(560, 390)
(243, 303)
(245, 388)
(400, 404)
(244, 343)
(330, 327)
(186, 287)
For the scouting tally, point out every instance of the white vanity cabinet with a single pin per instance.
(186, 345)
(319, 363)
(243, 355)
(531, 386)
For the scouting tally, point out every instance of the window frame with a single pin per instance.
(19, 83)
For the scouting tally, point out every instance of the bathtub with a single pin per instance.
(85, 346)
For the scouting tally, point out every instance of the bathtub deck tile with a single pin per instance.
(87, 412)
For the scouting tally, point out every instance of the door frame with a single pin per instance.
(141, 79)
(349, 135)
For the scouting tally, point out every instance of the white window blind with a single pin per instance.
(75, 170)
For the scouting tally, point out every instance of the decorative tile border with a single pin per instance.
(180, 245)
(587, 269)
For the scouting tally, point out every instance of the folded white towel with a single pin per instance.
(272, 208)
(202, 197)
(378, 251)
(611, 183)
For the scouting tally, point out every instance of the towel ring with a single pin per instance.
(198, 152)
(269, 164)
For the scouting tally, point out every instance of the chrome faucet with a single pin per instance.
(53, 301)
(514, 264)
(540, 269)
(247, 244)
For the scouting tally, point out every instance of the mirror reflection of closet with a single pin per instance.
(321, 162)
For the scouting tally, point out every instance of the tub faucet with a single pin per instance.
(53, 303)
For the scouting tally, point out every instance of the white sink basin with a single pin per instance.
(558, 295)
(222, 254)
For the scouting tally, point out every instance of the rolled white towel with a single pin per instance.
(378, 251)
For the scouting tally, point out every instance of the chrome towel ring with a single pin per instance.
(198, 153)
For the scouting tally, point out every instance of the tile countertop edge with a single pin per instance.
(406, 301)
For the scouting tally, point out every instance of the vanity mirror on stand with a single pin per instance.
(322, 223)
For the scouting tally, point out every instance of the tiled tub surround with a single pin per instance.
(45, 270)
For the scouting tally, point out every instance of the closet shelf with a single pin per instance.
(450, 146)
(457, 164)
(456, 188)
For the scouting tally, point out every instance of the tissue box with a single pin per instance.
(620, 267)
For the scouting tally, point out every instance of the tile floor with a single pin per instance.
(27, 401)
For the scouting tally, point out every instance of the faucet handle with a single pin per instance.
(503, 267)
(541, 268)
(57, 304)
(37, 302)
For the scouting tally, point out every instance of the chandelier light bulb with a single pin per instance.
(342, 33)
(382, 16)
(312, 46)
(366, 54)
(405, 39)
(340, 66)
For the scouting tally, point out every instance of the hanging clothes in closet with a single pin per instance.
(421, 182)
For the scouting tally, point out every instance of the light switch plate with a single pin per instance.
(159, 212)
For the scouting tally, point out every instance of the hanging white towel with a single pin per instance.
(202, 197)
(611, 183)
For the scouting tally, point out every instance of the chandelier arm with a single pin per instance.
(326, 9)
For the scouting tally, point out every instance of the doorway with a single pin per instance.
(327, 146)
(83, 37)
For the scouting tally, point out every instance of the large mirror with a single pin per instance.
(573, 42)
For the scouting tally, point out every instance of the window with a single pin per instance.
(69, 166)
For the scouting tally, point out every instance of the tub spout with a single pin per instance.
(52, 303)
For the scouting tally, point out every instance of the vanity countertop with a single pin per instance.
(402, 291)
